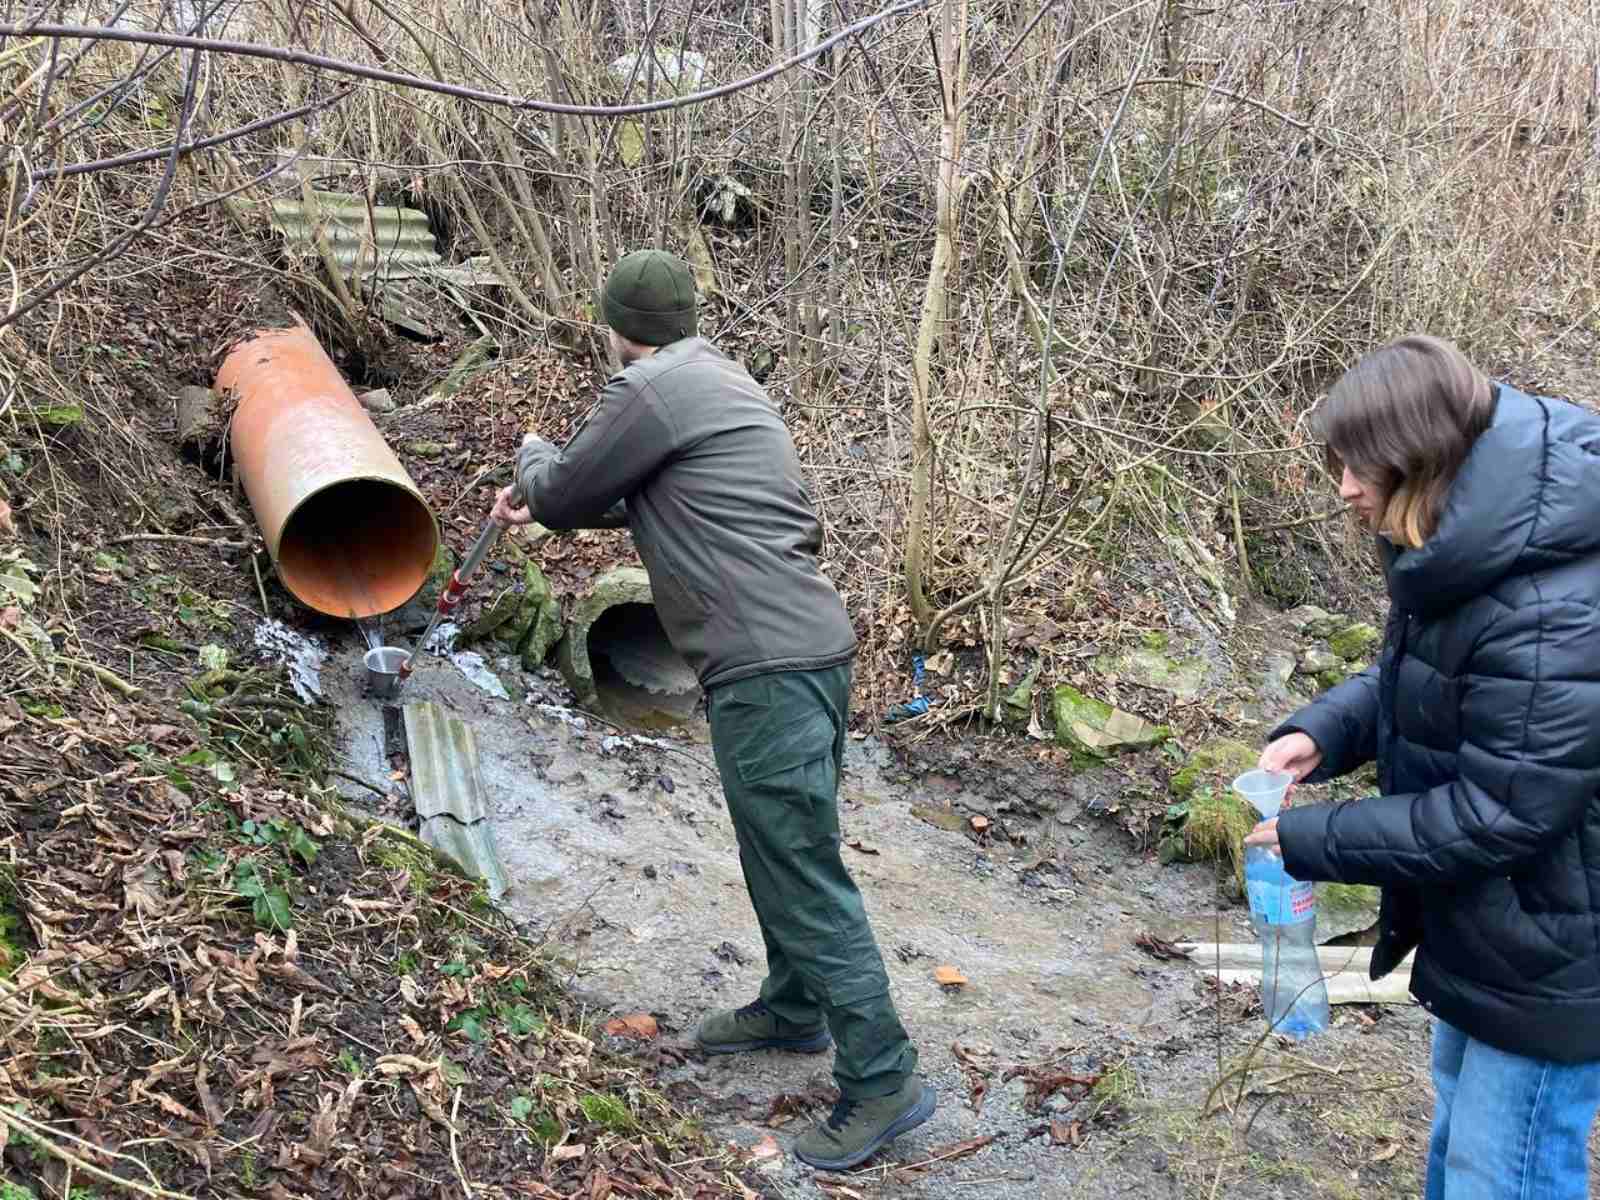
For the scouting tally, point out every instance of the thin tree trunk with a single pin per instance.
(953, 14)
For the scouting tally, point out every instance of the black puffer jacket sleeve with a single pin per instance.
(1343, 723)
(1527, 770)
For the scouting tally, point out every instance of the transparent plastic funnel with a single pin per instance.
(1264, 790)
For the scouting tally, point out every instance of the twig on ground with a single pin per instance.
(182, 538)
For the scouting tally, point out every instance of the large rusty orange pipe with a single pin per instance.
(350, 533)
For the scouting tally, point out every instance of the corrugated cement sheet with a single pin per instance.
(447, 790)
(384, 241)
(380, 240)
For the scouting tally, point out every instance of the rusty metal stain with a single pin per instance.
(444, 764)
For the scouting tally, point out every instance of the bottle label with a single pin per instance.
(1279, 904)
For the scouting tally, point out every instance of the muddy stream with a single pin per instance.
(618, 848)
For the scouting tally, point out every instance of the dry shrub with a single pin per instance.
(1213, 212)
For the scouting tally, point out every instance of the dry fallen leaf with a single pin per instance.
(637, 1025)
(7, 525)
(1065, 1133)
(948, 976)
(1158, 948)
(858, 844)
(563, 1153)
(404, 1064)
(1386, 1153)
(766, 1148)
(980, 823)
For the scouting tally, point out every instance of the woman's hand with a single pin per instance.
(1293, 752)
(1264, 834)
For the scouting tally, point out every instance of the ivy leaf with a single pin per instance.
(247, 881)
(470, 1023)
(521, 1107)
(300, 843)
(522, 1020)
(213, 657)
(271, 909)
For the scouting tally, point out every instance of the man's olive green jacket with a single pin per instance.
(688, 451)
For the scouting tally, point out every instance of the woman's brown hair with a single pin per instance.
(1403, 419)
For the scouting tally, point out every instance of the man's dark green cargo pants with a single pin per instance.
(779, 741)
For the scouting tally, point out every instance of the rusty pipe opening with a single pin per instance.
(357, 548)
(349, 531)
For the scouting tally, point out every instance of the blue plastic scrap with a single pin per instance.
(914, 707)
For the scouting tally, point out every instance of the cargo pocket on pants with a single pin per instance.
(794, 745)
(788, 776)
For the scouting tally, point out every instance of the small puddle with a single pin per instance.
(940, 818)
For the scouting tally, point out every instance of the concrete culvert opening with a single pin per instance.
(357, 548)
(639, 678)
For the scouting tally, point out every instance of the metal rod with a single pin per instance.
(454, 590)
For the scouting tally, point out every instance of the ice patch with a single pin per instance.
(302, 654)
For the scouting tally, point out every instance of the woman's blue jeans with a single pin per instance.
(1506, 1127)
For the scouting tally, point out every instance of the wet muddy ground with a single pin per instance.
(620, 853)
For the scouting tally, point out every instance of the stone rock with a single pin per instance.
(1316, 660)
(1345, 908)
(1153, 668)
(429, 449)
(496, 615)
(1332, 677)
(199, 425)
(473, 361)
(543, 613)
(1307, 616)
(1271, 699)
(1222, 757)
(377, 401)
(1314, 621)
(1094, 729)
(438, 577)
(1356, 640)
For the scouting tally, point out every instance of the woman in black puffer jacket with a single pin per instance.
(1483, 714)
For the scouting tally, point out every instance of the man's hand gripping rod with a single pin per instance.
(457, 587)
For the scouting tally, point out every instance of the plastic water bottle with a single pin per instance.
(1284, 913)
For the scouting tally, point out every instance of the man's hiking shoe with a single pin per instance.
(757, 1027)
(858, 1129)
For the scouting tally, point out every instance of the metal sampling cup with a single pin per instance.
(383, 671)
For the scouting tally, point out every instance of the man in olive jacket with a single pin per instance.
(688, 451)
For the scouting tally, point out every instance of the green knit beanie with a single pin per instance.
(649, 298)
